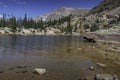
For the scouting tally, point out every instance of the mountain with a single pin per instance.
(107, 7)
(105, 17)
(63, 11)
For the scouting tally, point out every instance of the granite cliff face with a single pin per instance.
(61, 12)
(105, 17)
(106, 7)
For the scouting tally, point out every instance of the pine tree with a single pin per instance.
(3, 21)
(69, 27)
(12, 23)
(24, 23)
(94, 28)
(75, 27)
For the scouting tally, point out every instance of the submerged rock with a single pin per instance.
(11, 68)
(94, 47)
(22, 66)
(91, 37)
(40, 71)
(1, 72)
(24, 71)
(91, 68)
(113, 49)
(79, 49)
(106, 77)
(102, 65)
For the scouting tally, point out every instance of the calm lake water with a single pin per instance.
(59, 55)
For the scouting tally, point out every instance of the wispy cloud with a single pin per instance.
(21, 2)
(1, 3)
(5, 6)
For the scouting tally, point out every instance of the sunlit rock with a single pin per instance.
(40, 71)
(106, 77)
(102, 65)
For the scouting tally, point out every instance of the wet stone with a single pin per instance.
(23, 66)
(82, 79)
(33, 77)
(91, 68)
(17, 72)
(1, 72)
(11, 68)
(24, 71)
(35, 73)
(79, 79)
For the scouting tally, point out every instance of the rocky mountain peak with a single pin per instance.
(63, 11)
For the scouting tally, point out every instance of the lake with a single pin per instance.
(59, 55)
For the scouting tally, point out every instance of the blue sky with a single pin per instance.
(35, 8)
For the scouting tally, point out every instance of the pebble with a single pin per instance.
(79, 49)
(91, 68)
(93, 47)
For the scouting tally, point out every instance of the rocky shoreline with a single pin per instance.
(32, 31)
(97, 36)
(110, 43)
(112, 40)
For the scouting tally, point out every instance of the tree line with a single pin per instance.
(12, 22)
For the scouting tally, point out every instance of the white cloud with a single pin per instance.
(1, 16)
(19, 2)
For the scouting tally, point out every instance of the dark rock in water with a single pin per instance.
(84, 79)
(29, 66)
(23, 66)
(33, 77)
(24, 71)
(11, 68)
(35, 73)
(1, 72)
(91, 37)
(17, 72)
(79, 79)
(106, 77)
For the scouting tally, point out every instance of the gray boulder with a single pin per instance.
(106, 77)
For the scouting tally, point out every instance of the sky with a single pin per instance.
(35, 8)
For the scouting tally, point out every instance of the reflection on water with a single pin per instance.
(57, 54)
